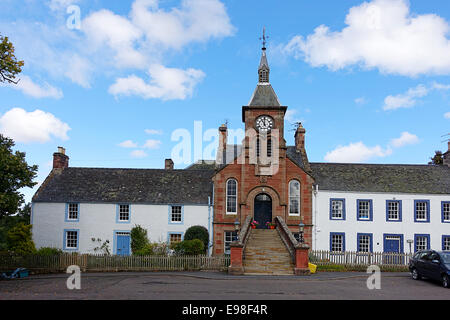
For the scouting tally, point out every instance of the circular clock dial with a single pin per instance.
(264, 123)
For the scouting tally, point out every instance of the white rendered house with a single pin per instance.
(76, 206)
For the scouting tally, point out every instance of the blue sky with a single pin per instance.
(112, 81)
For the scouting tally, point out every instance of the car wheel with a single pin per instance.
(415, 275)
(445, 281)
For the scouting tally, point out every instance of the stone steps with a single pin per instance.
(265, 253)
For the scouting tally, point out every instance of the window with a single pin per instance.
(421, 242)
(71, 239)
(446, 243)
(337, 209)
(296, 236)
(422, 210)
(364, 208)
(364, 242)
(269, 147)
(230, 236)
(337, 242)
(231, 196)
(393, 210)
(175, 237)
(72, 212)
(123, 214)
(294, 198)
(176, 214)
(445, 211)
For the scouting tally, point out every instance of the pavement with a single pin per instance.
(221, 287)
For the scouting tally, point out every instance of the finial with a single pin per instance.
(264, 38)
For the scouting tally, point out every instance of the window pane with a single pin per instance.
(175, 237)
(124, 212)
(446, 211)
(337, 207)
(364, 243)
(337, 243)
(176, 214)
(421, 243)
(73, 211)
(421, 211)
(71, 239)
(294, 197)
(393, 211)
(230, 236)
(446, 244)
(364, 209)
(231, 196)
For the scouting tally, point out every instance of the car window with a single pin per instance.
(424, 255)
(434, 256)
(445, 257)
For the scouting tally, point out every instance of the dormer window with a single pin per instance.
(264, 76)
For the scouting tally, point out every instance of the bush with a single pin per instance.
(46, 251)
(19, 239)
(198, 232)
(189, 247)
(139, 239)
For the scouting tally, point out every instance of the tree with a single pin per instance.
(16, 174)
(9, 65)
(438, 158)
(139, 239)
(19, 239)
(198, 232)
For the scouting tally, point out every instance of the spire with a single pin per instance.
(263, 70)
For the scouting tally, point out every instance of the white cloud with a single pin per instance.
(355, 152)
(406, 100)
(359, 152)
(382, 34)
(152, 144)
(138, 154)
(128, 144)
(61, 4)
(193, 21)
(405, 139)
(410, 98)
(165, 83)
(447, 115)
(360, 101)
(28, 87)
(153, 131)
(36, 126)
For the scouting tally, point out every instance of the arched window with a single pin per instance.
(294, 198)
(231, 196)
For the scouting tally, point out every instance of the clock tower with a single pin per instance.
(262, 178)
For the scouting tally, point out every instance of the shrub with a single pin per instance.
(19, 239)
(139, 238)
(47, 251)
(189, 247)
(198, 232)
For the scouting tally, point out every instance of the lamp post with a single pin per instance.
(301, 227)
(410, 242)
(236, 228)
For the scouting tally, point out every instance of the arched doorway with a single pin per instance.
(262, 210)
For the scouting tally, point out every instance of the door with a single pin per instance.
(263, 210)
(392, 245)
(123, 244)
(433, 269)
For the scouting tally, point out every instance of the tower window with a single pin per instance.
(264, 76)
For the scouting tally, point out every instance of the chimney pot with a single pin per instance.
(300, 137)
(168, 164)
(60, 159)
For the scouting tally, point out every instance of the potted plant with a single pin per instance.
(254, 224)
(270, 225)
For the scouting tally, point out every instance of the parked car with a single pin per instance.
(432, 265)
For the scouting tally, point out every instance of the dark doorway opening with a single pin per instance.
(263, 210)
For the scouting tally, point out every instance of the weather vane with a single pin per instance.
(264, 38)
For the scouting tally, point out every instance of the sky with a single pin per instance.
(127, 84)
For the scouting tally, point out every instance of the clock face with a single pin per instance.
(264, 123)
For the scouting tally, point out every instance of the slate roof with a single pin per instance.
(264, 96)
(150, 186)
(392, 178)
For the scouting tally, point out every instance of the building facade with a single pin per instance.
(343, 207)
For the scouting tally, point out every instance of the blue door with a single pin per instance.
(123, 244)
(392, 245)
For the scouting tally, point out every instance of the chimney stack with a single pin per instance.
(168, 164)
(447, 156)
(223, 137)
(300, 137)
(60, 159)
